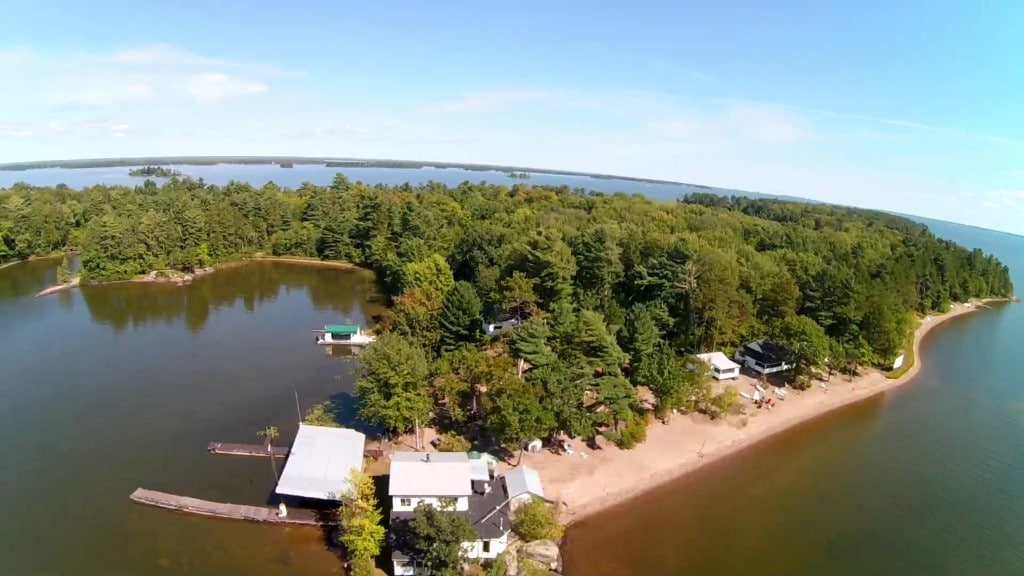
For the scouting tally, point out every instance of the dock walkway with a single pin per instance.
(247, 449)
(222, 510)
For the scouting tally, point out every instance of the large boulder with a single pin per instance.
(542, 551)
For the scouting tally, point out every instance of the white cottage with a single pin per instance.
(721, 367)
(438, 478)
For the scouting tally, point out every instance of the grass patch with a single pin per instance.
(908, 353)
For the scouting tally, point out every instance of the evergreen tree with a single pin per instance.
(460, 319)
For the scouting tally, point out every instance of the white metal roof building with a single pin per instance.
(721, 366)
(523, 480)
(442, 474)
(320, 461)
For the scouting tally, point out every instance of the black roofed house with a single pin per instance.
(436, 477)
(763, 357)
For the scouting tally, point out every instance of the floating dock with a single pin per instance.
(247, 449)
(222, 510)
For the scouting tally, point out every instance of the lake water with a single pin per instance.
(110, 388)
(106, 389)
(925, 479)
(259, 174)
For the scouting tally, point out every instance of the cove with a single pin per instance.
(108, 388)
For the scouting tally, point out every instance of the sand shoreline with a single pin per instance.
(607, 477)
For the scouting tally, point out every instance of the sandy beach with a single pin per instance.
(590, 480)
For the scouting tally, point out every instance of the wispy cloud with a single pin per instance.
(156, 72)
(684, 72)
(214, 86)
(492, 100)
(82, 129)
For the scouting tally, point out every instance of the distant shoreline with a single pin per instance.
(184, 278)
(610, 477)
(330, 162)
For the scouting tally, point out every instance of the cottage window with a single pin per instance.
(405, 502)
(487, 546)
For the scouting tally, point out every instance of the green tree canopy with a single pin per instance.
(392, 386)
(435, 538)
(460, 316)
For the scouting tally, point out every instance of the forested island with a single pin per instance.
(615, 291)
(154, 171)
(518, 175)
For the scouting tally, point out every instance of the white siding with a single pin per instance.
(475, 550)
(397, 504)
(725, 374)
(404, 567)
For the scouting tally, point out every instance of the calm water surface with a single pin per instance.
(927, 479)
(108, 388)
(259, 174)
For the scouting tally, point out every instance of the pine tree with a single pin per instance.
(459, 319)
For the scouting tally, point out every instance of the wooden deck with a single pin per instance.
(247, 449)
(222, 510)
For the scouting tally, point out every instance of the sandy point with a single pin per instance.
(590, 480)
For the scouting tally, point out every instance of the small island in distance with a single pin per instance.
(520, 175)
(154, 171)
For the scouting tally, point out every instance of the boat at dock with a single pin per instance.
(343, 335)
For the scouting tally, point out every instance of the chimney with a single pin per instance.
(487, 487)
(501, 523)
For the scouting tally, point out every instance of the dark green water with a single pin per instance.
(926, 479)
(109, 388)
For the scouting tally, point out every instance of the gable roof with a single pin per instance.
(718, 360)
(765, 351)
(523, 480)
(430, 474)
(319, 462)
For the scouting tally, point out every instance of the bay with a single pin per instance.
(108, 388)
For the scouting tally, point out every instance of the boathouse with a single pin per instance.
(320, 461)
(721, 367)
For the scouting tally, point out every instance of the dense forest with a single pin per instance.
(615, 291)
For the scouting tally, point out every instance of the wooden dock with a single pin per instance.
(222, 510)
(247, 449)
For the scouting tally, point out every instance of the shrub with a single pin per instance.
(497, 567)
(453, 443)
(633, 433)
(536, 520)
(722, 403)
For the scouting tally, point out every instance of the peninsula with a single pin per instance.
(559, 325)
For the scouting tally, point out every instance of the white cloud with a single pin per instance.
(214, 86)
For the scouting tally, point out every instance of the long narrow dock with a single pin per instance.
(247, 449)
(222, 510)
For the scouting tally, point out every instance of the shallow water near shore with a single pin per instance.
(108, 388)
(925, 479)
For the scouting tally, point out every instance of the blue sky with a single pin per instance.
(911, 106)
